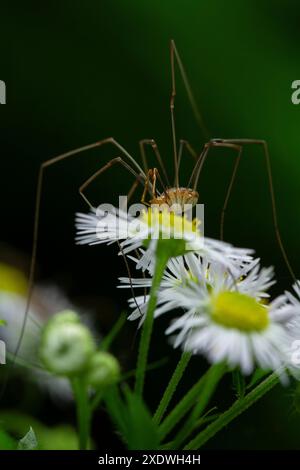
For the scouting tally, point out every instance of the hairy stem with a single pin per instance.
(235, 410)
(171, 388)
(213, 377)
(160, 264)
(181, 408)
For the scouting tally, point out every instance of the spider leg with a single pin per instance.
(138, 180)
(197, 114)
(185, 144)
(172, 105)
(200, 163)
(152, 143)
(133, 188)
(265, 148)
(146, 187)
(111, 163)
(43, 166)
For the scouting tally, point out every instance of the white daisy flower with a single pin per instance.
(286, 307)
(226, 318)
(180, 271)
(227, 321)
(145, 231)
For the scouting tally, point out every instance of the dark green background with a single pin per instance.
(77, 72)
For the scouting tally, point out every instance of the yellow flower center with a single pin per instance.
(236, 310)
(12, 280)
(169, 222)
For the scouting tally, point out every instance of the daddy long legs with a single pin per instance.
(171, 191)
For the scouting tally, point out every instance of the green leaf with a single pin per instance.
(6, 441)
(117, 410)
(3, 323)
(142, 432)
(29, 441)
(132, 419)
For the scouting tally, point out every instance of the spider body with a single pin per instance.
(176, 197)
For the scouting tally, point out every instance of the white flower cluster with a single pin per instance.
(221, 291)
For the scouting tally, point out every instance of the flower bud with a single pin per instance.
(65, 316)
(66, 345)
(104, 370)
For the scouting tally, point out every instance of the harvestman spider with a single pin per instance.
(148, 177)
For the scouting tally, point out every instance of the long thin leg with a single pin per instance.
(188, 88)
(44, 165)
(157, 175)
(137, 181)
(202, 159)
(95, 175)
(151, 184)
(152, 175)
(229, 190)
(193, 181)
(264, 145)
(172, 104)
(132, 190)
(146, 189)
(152, 143)
(185, 144)
(111, 140)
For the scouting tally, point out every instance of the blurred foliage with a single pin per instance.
(14, 423)
(6, 441)
(77, 72)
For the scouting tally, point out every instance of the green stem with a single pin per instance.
(97, 399)
(181, 408)
(239, 383)
(160, 264)
(171, 388)
(83, 411)
(110, 337)
(235, 410)
(213, 377)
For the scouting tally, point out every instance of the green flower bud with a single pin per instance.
(66, 345)
(104, 370)
(65, 316)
